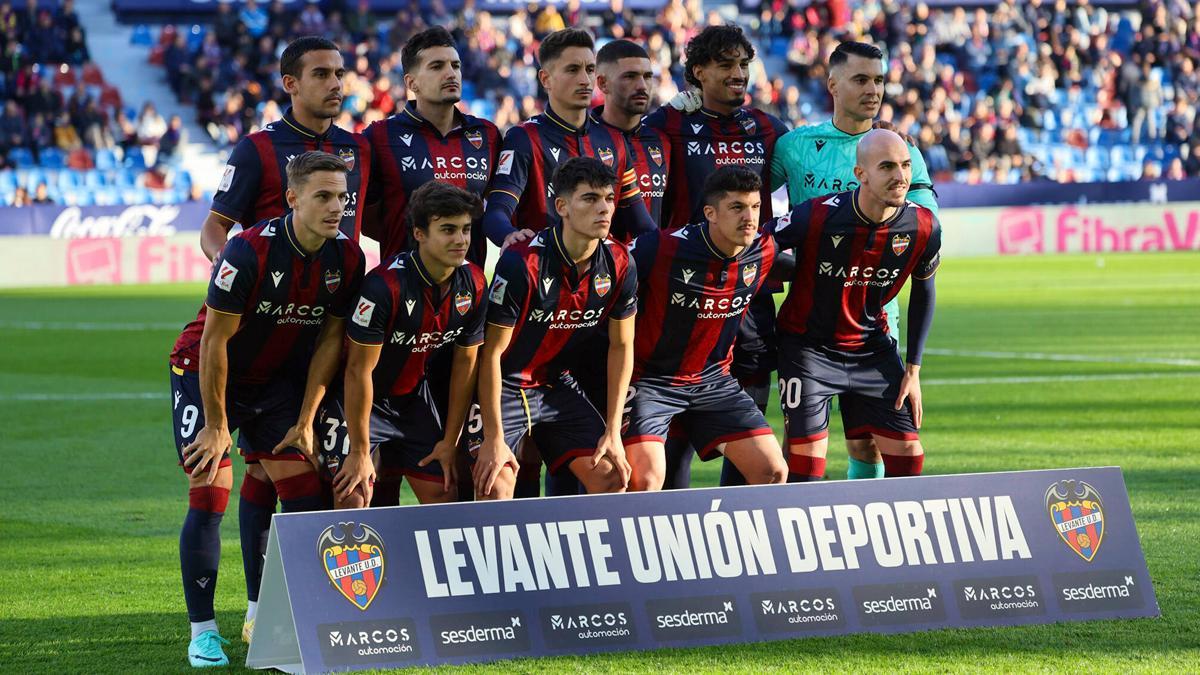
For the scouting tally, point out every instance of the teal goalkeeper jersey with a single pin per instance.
(818, 159)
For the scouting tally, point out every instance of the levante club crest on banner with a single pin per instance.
(1078, 516)
(353, 557)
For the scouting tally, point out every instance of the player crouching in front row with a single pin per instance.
(549, 295)
(412, 306)
(274, 312)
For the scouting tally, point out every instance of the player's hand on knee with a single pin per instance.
(357, 471)
(516, 238)
(446, 454)
(611, 448)
(494, 455)
(206, 451)
(299, 437)
(910, 388)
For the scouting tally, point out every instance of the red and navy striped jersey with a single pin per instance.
(408, 151)
(553, 309)
(692, 301)
(254, 185)
(532, 151)
(282, 295)
(650, 153)
(411, 317)
(848, 268)
(704, 141)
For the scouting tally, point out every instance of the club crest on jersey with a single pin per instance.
(748, 124)
(606, 156)
(602, 282)
(475, 137)
(655, 155)
(749, 273)
(353, 556)
(462, 302)
(348, 157)
(333, 279)
(900, 243)
(1077, 514)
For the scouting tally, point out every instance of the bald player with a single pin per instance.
(854, 252)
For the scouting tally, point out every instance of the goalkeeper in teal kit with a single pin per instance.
(819, 159)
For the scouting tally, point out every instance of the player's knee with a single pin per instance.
(224, 479)
(863, 450)
(355, 500)
(255, 471)
(502, 488)
(602, 479)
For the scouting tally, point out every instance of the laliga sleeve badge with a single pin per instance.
(1077, 514)
(353, 557)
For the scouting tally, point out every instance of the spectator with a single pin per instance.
(174, 137)
(1151, 171)
(1191, 165)
(312, 21)
(253, 18)
(1147, 98)
(66, 138)
(150, 125)
(1175, 170)
(41, 194)
(12, 128)
(21, 197)
(76, 50)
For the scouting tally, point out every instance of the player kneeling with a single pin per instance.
(275, 311)
(696, 286)
(413, 306)
(550, 294)
(855, 250)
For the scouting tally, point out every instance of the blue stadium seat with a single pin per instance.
(6, 196)
(80, 197)
(468, 90)
(1098, 158)
(105, 159)
(68, 179)
(107, 196)
(92, 179)
(195, 38)
(135, 160)
(141, 36)
(52, 158)
(183, 179)
(32, 178)
(124, 177)
(20, 157)
(8, 180)
(131, 195)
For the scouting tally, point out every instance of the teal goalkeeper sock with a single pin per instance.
(859, 469)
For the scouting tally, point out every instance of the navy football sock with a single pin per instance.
(679, 464)
(730, 475)
(300, 493)
(386, 492)
(200, 550)
(255, 508)
(529, 481)
(562, 484)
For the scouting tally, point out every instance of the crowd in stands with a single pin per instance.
(65, 135)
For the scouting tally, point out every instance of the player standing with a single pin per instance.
(521, 194)
(428, 139)
(716, 129)
(548, 297)
(411, 307)
(818, 159)
(697, 284)
(854, 252)
(274, 312)
(253, 188)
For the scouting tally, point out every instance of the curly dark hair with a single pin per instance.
(436, 199)
(581, 171)
(711, 44)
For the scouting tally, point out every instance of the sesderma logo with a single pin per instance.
(474, 633)
(694, 618)
(797, 611)
(362, 642)
(999, 597)
(1098, 591)
(585, 625)
(899, 604)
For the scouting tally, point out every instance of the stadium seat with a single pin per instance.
(110, 97)
(8, 180)
(141, 36)
(107, 196)
(64, 77)
(93, 179)
(195, 37)
(123, 177)
(68, 180)
(52, 158)
(135, 160)
(32, 178)
(183, 179)
(21, 157)
(105, 159)
(167, 36)
(92, 75)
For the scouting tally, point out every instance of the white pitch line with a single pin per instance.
(88, 326)
(1053, 379)
(1076, 358)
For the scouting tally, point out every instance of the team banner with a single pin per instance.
(471, 582)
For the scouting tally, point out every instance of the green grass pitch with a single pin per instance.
(1035, 363)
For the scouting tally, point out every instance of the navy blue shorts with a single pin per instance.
(866, 385)
(709, 414)
(262, 413)
(404, 430)
(330, 433)
(563, 423)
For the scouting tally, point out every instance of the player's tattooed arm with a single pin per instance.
(620, 369)
(214, 440)
(494, 454)
(320, 371)
(464, 375)
(357, 471)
